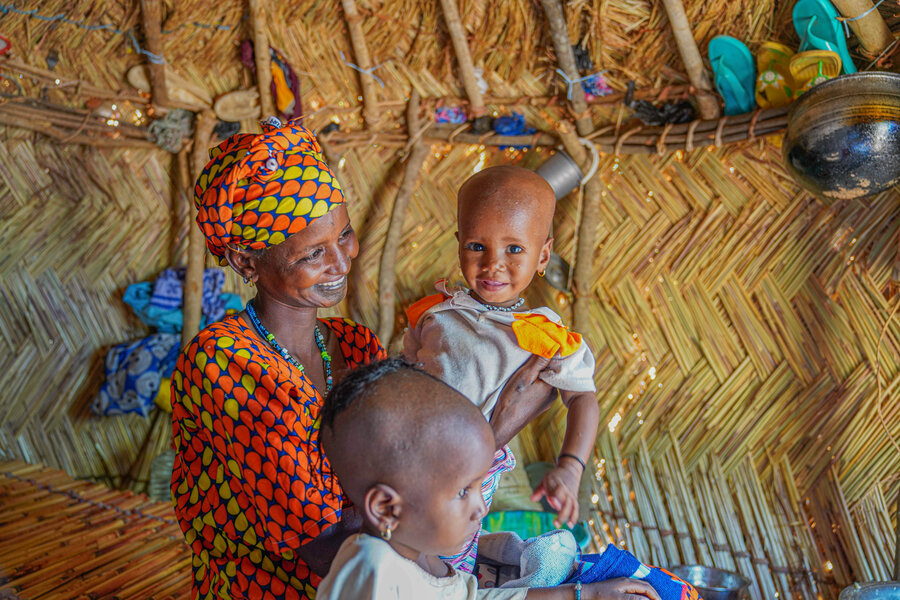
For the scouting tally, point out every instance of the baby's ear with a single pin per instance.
(382, 506)
(546, 250)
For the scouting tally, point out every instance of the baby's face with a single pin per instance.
(446, 509)
(502, 242)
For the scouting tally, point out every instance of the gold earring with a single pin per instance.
(541, 272)
(386, 534)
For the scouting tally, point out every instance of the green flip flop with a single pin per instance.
(735, 73)
(816, 22)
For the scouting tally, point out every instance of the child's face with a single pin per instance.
(446, 510)
(502, 244)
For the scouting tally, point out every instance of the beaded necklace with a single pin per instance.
(511, 308)
(320, 343)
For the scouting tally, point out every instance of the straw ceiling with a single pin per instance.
(737, 320)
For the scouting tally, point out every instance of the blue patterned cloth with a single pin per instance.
(134, 371)
(513, 124)
(158, 304)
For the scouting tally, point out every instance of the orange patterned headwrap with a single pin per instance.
(258, 190)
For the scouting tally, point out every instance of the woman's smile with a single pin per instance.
(333, 286)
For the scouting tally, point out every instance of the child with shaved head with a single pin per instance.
(475, 338)
(391, 433)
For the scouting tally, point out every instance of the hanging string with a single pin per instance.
(368, 71)
(127, 33)
(845, 20)
(572, 82)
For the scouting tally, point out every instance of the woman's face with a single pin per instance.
(309, 269)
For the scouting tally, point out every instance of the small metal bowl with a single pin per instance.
(843, 136)
(879, 590)
(714, 584)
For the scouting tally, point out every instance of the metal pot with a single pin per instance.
(561, 172)
(881, 590)
(714, 584)
(843, 136)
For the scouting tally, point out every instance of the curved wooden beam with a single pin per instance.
(463, 57)
(418, 151)
(364, 61)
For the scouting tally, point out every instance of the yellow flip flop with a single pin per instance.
(774, 84)
(812, 67)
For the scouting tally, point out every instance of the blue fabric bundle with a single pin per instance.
(134, 370)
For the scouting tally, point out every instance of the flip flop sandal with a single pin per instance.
(735, 73)
(812, 67)
(774, 84)
(816, 22)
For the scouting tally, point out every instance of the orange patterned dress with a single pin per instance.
(249, 482)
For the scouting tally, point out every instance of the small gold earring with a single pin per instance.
(541, 272)
(386, 534)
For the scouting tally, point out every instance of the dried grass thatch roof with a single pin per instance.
(738, 322)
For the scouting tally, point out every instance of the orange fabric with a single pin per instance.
(416, 310)
(539, 335)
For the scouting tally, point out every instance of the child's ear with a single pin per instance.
(546, 249)
(382, 507)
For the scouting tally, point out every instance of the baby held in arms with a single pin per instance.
(392, 434)
(475, 338)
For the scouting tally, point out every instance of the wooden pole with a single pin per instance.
(873, 33)
(690, 56)
(364, 61)
(261, 57)
(151, 15)
(559, 33)
(386, 270)
(583, 276)
(193, 279)
(463, 57)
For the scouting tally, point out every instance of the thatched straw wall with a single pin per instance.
(738, 322)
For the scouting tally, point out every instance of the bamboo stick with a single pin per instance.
(261, 57)
(873, 33)
(690, 56)
(87, 140)
(897, 541)
(151, 16)
(361, 51)
(556, 19)
(386, 274)
(583, 278)
(193, 279)
(463, 58)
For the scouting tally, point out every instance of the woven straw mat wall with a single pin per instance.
(738, 322)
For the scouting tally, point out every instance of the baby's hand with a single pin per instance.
(560, 487)
(618, 589)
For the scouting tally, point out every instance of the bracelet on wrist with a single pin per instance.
(573, 457)
(577, 589)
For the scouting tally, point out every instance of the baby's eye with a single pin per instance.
(474, 246)
(515, 249)
(463, 493)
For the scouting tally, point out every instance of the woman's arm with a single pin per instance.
(614, 589)
(319, 553)
(524, 397)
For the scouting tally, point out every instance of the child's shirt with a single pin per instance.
(368, 568)
(476, 350)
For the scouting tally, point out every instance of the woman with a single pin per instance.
(255, 497)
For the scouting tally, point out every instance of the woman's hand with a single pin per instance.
(524, 397)
(622, 588)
